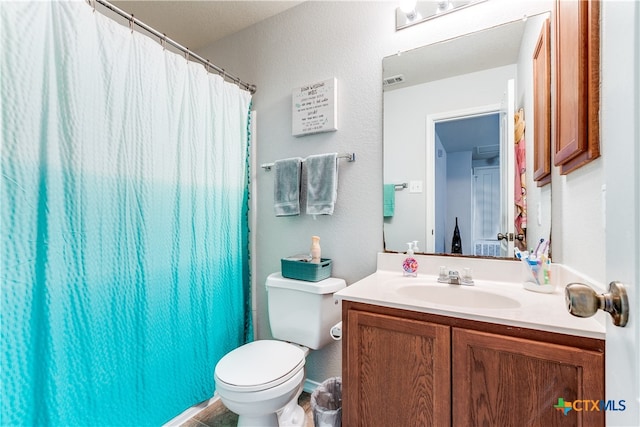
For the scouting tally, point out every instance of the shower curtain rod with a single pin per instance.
(164, 39)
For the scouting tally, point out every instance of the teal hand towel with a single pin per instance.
(286, 193)
(389, 200)
(322, 183)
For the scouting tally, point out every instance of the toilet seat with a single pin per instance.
(259, 365)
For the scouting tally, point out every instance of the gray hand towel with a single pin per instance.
(286, 193)
(322, 183)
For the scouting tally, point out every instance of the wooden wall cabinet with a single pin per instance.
(577, 96)
(542, 107)
(404, 368)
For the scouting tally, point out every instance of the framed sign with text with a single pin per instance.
(314, 108)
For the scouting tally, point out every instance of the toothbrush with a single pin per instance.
(547, 272)
(535, 253)
(545, 248)
(517, 253)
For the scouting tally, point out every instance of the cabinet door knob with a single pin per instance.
(583, 301)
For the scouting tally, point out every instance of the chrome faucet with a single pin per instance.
(454, 278)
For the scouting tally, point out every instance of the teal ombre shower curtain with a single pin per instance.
(123, 209)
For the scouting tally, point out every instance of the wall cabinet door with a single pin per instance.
(577, 97)
(396, 371)
(542, 107)
(508, 381)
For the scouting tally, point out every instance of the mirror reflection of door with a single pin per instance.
(471, 154)
(467, 154)
(467, 187)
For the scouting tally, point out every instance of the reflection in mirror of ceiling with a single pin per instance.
(478, 134)
(490, 48)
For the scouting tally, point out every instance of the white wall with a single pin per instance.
(348, 40)
(459, 200)
(578, 219)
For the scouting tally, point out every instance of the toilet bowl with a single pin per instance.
(262, 380)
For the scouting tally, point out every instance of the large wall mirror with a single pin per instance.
(452, 144)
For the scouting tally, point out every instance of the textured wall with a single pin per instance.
(347, 40)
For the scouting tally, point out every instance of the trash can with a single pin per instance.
(326, 403)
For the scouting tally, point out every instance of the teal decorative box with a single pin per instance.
(295, 268)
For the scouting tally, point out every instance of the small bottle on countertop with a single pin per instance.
(410, 264)
(315, 249)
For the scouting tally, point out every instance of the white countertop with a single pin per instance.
(545, 312)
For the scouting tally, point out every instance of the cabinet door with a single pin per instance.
(506, 381)
(542, 107)
(396, 372)
(577, 83)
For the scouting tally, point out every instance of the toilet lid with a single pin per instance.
(259, 365)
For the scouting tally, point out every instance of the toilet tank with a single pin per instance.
(303, 312)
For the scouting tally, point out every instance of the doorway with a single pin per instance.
(467, 159)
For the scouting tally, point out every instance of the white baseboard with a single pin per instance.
(192, 412)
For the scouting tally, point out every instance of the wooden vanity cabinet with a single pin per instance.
(507, 381)
(396, 371)
(404, 368)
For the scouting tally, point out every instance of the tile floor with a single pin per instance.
(217, 415)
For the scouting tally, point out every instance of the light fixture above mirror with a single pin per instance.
(412, 12)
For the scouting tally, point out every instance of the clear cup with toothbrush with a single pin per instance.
(536, 272)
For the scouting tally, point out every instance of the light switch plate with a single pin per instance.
(415, 186)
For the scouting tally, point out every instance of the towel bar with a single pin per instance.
(400, 187)
(351, 157)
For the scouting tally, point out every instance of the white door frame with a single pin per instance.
(507, 155)
(430, 160)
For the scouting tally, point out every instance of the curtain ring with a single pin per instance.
(163, 41)
(206, 66)
(224, 74)
(131, 22)
(93, 4)
(186, 54)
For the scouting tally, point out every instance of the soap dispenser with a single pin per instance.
(410, 265)
(315, 250)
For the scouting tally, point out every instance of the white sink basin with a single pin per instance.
(457, 296)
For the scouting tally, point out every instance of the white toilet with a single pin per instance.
(262, 380)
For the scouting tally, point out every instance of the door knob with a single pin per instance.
(583, 301)
(510, 236)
